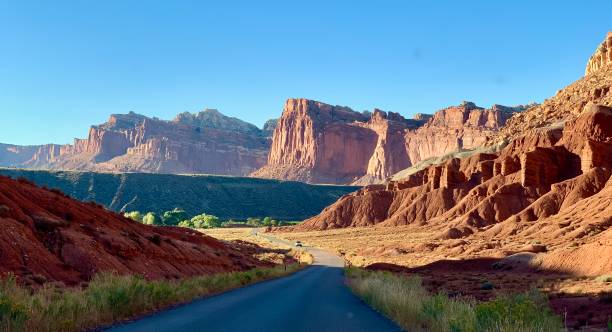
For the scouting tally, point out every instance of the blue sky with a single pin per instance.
(65, 65)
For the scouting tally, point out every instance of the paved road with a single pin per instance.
(314, 299)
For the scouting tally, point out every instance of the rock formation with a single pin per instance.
(206, 142)
(311, 142)
(568, 103)
(317, 142)
(522, 192)
(602, 56)
(47, 236)
(456, 128)
(550, 184)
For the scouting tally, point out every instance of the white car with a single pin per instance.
(298, 243)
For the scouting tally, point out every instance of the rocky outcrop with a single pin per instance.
(456, 128)
(317, 142)
(47, 236)
(567, 104)
(389, 155)
(212, 118)
(206, 142)
(602, 57)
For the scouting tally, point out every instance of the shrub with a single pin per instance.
(134, 215)
(186, 223)
(205, 221)
(202, 221)
(526, 311)
(253, 222)
(152, 218)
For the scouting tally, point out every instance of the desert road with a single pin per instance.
(314, 299)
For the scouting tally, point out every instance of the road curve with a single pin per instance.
(314, 299)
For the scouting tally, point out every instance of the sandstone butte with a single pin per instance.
(321, 143)
(550, 184)
(206, 142)
(47, 236)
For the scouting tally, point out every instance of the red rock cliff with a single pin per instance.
(206, 142)
(602, 57)
(462, 127)
(317, 142)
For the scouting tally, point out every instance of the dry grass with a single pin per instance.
(404, 300)
(110, 298)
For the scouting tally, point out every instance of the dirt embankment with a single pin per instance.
(47, 236)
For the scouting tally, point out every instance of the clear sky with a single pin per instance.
(65, 65)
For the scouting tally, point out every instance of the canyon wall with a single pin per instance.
(456, 128)
(205, 142)
(317, 142)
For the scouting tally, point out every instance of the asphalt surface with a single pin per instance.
(314, 299)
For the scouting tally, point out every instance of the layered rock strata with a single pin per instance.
(317, 142)
(205, 142)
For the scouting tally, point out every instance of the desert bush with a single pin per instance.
(404, 300)
(110, 298)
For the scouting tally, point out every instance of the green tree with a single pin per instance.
(206, 221)
(134, 215)
(275, 222)
(152, 218)
(174, 217)
(267, 221)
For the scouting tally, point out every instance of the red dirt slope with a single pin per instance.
(47, 236)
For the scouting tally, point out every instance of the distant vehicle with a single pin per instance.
(298, 243)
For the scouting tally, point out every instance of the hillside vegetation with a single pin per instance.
(224, 197)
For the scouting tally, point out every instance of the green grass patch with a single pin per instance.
(110, 298)
(404, 300)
